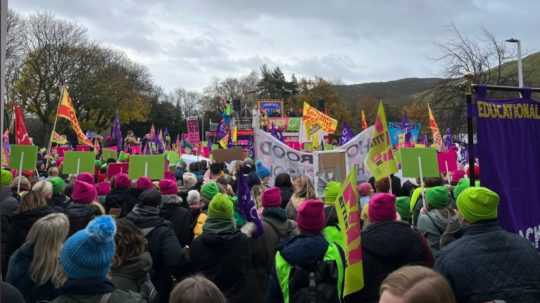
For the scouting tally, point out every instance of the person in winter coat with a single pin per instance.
(34, 267)
(168, 256)
(306, 254)
(197, 289)
(303, 190)
(132, 262)
(189, 182)
(10, 294)
(433, 222)
(276, 229)
(87, 177)
(263, 173)
(208, 191)
(332, 232)
(59, 199)
(172, 211)
(387, 245)
(365, 191)
(8, 206)
(488, 263)
(83, 207)
(120, 200)
(283, 182)
(33, 207)
(416, 198)
(86, 259)
(142, 184)
(103, 189)
(222, 253)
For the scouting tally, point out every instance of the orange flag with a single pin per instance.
(437, 138)
(67, 111)
(363, 121)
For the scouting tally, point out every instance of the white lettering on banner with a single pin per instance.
(532, 234)
(280, 158)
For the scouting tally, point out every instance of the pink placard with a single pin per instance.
(82, 148)
(447, 158)
(136, 150)
(62, 149)
(117, 168)
(193, 130)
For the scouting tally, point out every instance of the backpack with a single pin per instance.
(317, 284)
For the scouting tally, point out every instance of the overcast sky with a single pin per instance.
(189, 43)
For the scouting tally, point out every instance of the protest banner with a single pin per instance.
(508, 149)
(419, 162)
(117, 168)
(271, 107)
(193, 134)
(76, 162)
(227, 155)
(349, 221)
(357, 150)
(380, 159)
(313, 116)
(152, 166)
(396, 129)
(329, 166)
(108, 153)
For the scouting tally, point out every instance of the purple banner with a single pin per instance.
(509, 154)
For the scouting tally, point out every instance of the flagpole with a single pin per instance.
(54, 125)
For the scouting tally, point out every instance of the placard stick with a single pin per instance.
(390, 182)
(146, 169)
(447, 172)
(422, 181)
(20, 173)
(78, 166)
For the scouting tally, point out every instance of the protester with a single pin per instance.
(53, 172)
(142, 184)
(120, 200)
(303, 190)
(283, 182)
(86, 259)
(402, 207)
(216, 171)
(263, 173)
(208, 191)
(33, 207)
(310, 255)
(222, 253)
(434, 223)
(197, 289)
(59, 199)
(83, 207)
(189, 182)
(365, 191)
(44, 189)
(10, 294)
(34, 267)
(276, 229)
(171, 210)
(103, 188)
(387, 244)
(416, 197)
(86, 177)
(132, 263)
(488, 263)
(416, 284)
(168, 256)
(332, 232)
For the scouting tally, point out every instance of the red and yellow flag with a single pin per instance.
(67, 111)
(437, 138)
(363, 121)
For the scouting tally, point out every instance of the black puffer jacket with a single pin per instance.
(388, 246)
(59, 200)
(488, 263)
(180, 218)
(168, 257)
(120, 198)
(79, 215)
(225, 259)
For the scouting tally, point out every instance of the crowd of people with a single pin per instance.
(188, 238)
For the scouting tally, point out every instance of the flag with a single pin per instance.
(348, 215)
(116, 133)
(437, 139)
(346, 133)
(224, 142)
(363, 122)
(313, 116)
(59, 139)
(67, 111)
(234, 134)
(21, 134)
(245, 204)
(448, 139)
(380, 158)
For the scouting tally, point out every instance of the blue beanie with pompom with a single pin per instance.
(88, 253)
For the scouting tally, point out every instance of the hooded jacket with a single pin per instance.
(180, 218)
(132, 274)
(225, 259)
(433, 225)
(386, 247)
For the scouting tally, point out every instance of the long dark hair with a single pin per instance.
(129, 240)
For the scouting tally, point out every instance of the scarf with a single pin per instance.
(219, 226)
(145, 211)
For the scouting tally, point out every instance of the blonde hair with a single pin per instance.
(304, 190)
(47, 235)
(31, 200)
(418, 284)
(45, 188)
(256, 193)
(196, 289)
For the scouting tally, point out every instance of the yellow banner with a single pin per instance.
(313, 116)
(349, 223)
(380, 158)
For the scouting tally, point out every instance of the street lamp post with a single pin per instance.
(519, 63)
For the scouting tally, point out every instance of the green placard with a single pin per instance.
(107, 154)
(172, 157)
(29, 159)
(293, 125)
(146, 165)
(76, 162)
(215, 146)
(410, 163)
(328, 147)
